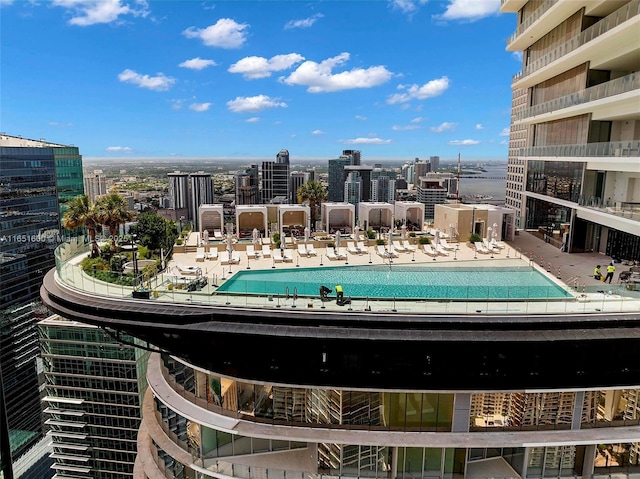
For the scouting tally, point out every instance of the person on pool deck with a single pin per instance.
(339, 294)
(610, 270)
(597, 274)
(324, 292)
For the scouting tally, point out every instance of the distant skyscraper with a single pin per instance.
(353, 188)
(201, 193)
(434, 161)
(275, 178)
(95, 185)
(93, 398)
(283, 157)
(248, 186)
(433, 189)
(297, 180)
(337, 177)
(34, 174)
(364, 172)
(420, 168)
(179, 190)
(354, 155)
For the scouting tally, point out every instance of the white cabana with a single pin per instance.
(293, 218)
(376, 215)
(250, 217)
(211, 218)
(411, 213)
(338, 217)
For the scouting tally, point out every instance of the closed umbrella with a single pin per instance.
(255, 236)
(230, 244)
(337, 240)
(356, 232)
(436, 237)
(307, 234)
(495, 231)
(205, 236)
(403, 232)
(390, 241)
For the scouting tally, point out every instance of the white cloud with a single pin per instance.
(177, 104)
(360, 117)
(464, 142)
(405, 127)
(56, 123)
(428, 90)
(318, 77)
(419, 119)
(197, 63)
(317, 132)
(91, 12)
(226, 33)
(253, 119)
(505, 132)
(160, 82)
(260, 67)
(199, 106)
(408, 7)
(517, 56)
(254, 103)
(303, 23)
(119, 149)
(470, 9)
(479, 126)
(446, 126)
(366, 141)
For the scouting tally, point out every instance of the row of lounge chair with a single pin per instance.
(306, 250)
(486, 247)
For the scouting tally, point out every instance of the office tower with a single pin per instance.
(353, 188)
(94, 383)
(336, 178)
(179, 192)
(420, 168)
(30, 224)
(95, 185)
(364, 172)
(275, 179)
(575, 105)
(434, 162)
(201, 193)
(383, 189)
(298, 178)
(433, 189)
(248, 186)
(354, 155)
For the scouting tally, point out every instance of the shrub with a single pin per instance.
(179, 242)
(412, 234)
(371, 234)
(424, 240)
(474, 238)
(380, 242)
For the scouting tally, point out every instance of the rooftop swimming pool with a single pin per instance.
(401, 282)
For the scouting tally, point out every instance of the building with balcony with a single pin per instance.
(574, 156)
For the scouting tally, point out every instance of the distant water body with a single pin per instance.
(486, 183)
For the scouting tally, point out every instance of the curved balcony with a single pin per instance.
(621, 149)
(605, 91)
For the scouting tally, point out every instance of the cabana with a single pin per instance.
(375, 215)
(293, 219)
(211, 219)
(488, 221)
(338, 217)
(411, 213)
(250, 217)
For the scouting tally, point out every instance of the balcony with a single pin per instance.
(607, 90)
(604, 26)
(616, 208)
(530, 20)
(625, 149)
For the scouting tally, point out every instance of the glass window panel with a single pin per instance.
(264, 401)
(413, 412)
(413, 460)
(432, 461)
(445, 411)
(429, 411)
(224, 444)
(241, 445)
(260, 444)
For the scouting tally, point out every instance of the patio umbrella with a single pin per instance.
(390, 241)
(255, 237)
(337, 239)
(307, 234)
(403, 232)
(230, 244)
(356, 232)
(436, 237)
(205, 236)
(494, 235)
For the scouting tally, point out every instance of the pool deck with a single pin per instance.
(573, 272)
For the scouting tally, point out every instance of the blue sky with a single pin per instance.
(243, 79)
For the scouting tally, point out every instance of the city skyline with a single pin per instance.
(220, 80)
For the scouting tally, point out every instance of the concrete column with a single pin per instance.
(525, 461)
(589, 460)
(577, 410)
(461, 412)
(201, 384)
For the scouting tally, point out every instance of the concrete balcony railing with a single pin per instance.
(608, 89)
(527, 22)
(605, 25)
(624, 149)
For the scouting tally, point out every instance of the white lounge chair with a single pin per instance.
(266, 250)
(331, 253)
(361, 247)
(225, 258)
(352, 248)
(251, 251)
(427, 249)
(480, 248)
(217, 234)
(446, 245)
(382, 252)
(397, 246)
(342, 252)
(277, 256)
(441, 251)
(189, 270)
(302, 250)
(200, 254)
(408, 246)
(288, 256)
(311, 250)
(213, 253)
(497, 244)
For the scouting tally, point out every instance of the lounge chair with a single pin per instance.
(497, 244)
(342, 252)
(217, 234)
(277, 256)
(311, 250)
(397, 246)
(213, 253)
(427, 249)
(189, 270)
(361, 247)
(331, 253)
(302, 250)
(251, 251)
(288, 256)
(407, 246)
(446, 245)
(382, 252)
(266, 250)
(480, 248)
(441, 251)
(352, 248)
(200, 254)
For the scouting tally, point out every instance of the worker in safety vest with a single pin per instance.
(610, 270)
(339, 293)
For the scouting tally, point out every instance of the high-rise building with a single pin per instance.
(433, 189)
(298, 178)
(336, 178)
(355, 156)
(363, 172)
(94, 384)
(275, 179)
(33, 173)
(179, 191)
(201, 193)
(95, 185)
(434, 162)
(248, 186)
(420, 168)
(575, 124)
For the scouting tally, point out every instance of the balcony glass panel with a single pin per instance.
(558, 179)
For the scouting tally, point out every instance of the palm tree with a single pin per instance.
(313, 192)
(81, 214)
(112, 212)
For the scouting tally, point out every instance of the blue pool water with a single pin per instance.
(400, 282)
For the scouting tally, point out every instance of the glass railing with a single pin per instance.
(616, 208)
(618, 86)
(624, 149)
(618, 17)
(533, 17)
